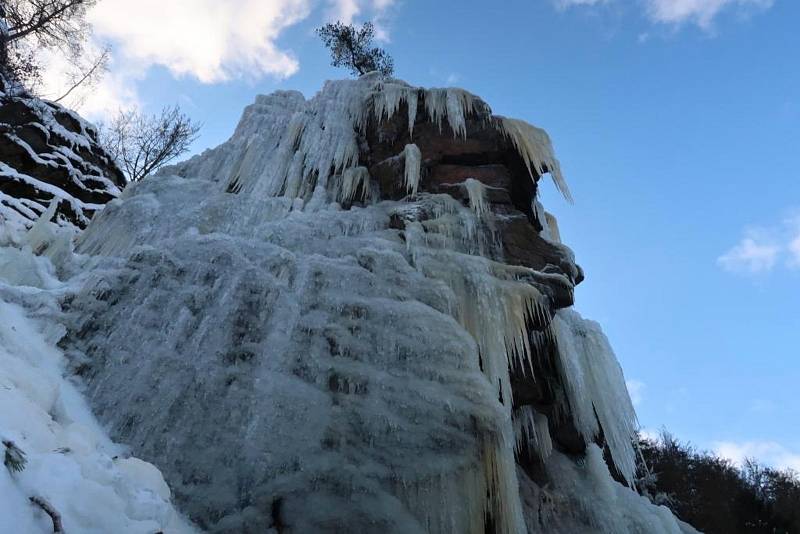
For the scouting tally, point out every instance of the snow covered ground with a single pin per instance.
(63, 456)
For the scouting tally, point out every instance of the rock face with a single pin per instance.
(351, 317)
(48, 152)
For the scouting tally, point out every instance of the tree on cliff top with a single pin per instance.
(351, 47)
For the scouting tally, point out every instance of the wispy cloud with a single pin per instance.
(767, 452)
(375, 10)
(563, 4)
(680, 12)
(793, 247)
(636, 391)
(755, 253)
(761, 249)
(699, 12)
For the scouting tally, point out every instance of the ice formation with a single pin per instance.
(477, 196)
(412, 159)
(536, 149)
(307, 337)
(68, 461)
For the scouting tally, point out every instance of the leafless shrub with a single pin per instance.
(142, 143)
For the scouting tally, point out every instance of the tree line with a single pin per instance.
(713, 494)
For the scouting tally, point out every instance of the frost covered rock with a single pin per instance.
(350, 317)
(47, 153)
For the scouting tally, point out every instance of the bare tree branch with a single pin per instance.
(28, 26)
(58, 528)
(97, 67)
(141, 144)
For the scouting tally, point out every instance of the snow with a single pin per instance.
(70, 461)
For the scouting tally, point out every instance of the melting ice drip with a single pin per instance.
(292, 163)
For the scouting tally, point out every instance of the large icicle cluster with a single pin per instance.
(296, 352)
(319, 139)
(596, 388)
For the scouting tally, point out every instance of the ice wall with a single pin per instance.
(298, 350)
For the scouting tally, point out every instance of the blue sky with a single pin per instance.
(677, 123)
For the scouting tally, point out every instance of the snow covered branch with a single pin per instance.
(52, 512)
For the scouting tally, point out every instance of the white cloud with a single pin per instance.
(636, 391)
(700, 12)
(767, 452)
(570, 3)
(114, 91)
(794, 250)
(762, 249)
(208, 39)
(755, 253)
(678, 12)
(345, 10)
(348, 10)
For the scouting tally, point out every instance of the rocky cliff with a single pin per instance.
(354, 316)
(47, 153)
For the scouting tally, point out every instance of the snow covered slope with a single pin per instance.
(351, 317)
(60, 454)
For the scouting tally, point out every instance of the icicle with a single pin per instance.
(596, 388)
(531, 430)
(535, 148)
(552, 226)
(353, 179)
(477, 197)
(413, 162)
(388, 97)
(454, 104)
(504, 503)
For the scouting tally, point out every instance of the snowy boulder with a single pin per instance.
(48, 153)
